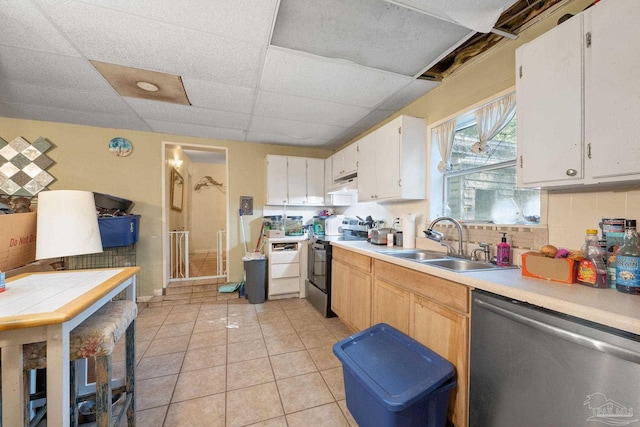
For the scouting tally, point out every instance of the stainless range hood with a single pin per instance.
(345, 185)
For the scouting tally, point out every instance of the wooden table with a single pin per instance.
(46, 307)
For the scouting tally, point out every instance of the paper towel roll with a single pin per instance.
(409, 230)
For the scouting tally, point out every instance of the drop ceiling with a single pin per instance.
(296, 72)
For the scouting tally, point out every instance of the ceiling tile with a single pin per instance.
(219, 96)
(278, 105)
(156, 110)
(200, 131)
(479, 16)
(69, 99)
(246, 20)
(294, 73)
(294, 129)
(109, 36)
(408, 94)
(273, 138)
(373, 33)
(47, 69)
(38, 112)
(23, 25)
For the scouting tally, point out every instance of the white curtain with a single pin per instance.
(491, 119)
(443, 136)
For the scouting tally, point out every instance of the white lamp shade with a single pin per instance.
(67, 224)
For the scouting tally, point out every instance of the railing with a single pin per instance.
(179, 255)
(221, 266)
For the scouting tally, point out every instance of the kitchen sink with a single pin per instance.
(415, 255)
(459, 264)
(441, 260)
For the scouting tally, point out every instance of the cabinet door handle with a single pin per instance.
(572, 172)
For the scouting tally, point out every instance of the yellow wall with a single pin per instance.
(83, 162)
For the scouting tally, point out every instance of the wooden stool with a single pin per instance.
(95, 337)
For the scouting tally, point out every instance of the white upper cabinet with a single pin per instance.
(578, 96)
(613, 96)
(277, 193)
(549, 107)
(295, 180)
(315, 182)
(392, 161)
(345, 162)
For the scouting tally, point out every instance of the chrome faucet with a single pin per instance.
(436, 236)
(485, 248)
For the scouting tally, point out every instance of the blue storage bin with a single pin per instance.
(391, 379)
(119, 230)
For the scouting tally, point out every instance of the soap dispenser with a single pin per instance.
(503, 252)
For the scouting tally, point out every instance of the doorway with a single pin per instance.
(195, 212)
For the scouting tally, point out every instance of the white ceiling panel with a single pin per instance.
(408, 94)
(277, 138)
(201, 131)
(278, 105)
(119, 38)
(328, 84)
(69, 99)
(22, 25)
(219, 96)
(373, 33)
(157, 110)
(479, 16)
(39, 112)
(248, 20)
(47, 69)
(297, 130)
(294, 73)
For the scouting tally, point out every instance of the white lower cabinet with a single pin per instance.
(286, 267)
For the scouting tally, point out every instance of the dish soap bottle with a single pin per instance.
(503, 252)
(592, 270)
(627, 261)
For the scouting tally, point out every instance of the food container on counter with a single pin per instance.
(293, 226)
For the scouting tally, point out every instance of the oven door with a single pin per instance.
(317, 265)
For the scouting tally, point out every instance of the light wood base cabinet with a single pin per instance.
(434, 312)
(351, 288)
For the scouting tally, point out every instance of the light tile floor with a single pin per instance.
(233, 363)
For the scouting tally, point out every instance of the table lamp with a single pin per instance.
(67, 224)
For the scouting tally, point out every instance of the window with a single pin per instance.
(480, 186)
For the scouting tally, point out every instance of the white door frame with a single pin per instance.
(165, 208)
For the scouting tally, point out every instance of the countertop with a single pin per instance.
(605, 306)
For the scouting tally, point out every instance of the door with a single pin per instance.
(549, 105)
(276, 180)
(388, 160)
(297, 180)
(613, 91)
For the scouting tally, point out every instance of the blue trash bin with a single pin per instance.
(391, 379)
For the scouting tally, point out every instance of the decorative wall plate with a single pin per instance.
(121, 147)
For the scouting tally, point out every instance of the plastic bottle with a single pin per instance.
(592, 271)
(503, 252)
(628, 260)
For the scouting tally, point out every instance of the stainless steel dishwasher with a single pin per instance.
(535, 367)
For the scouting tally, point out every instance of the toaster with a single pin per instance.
(379, 235)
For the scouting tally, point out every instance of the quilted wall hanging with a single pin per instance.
(23, 167)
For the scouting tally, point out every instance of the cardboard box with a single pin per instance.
(17, 240)
(557, 269)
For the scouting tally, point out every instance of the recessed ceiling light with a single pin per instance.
(149, 87)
